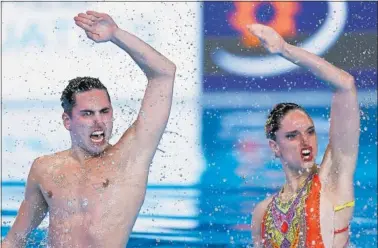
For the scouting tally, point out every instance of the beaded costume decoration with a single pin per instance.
(294, 223)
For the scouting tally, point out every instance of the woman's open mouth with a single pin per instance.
(306, 154)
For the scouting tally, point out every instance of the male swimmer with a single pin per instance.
(94, 190)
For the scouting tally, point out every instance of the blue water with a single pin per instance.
(224, 201)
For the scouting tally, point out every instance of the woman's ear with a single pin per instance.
(274, 146)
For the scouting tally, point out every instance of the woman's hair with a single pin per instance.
(275, 116)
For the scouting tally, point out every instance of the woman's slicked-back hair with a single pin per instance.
(275, 116)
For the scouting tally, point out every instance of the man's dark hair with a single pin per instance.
(78, 85)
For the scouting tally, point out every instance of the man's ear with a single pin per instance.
(275, 149)
(66, 121)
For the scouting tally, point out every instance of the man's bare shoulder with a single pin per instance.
(126, 141)
(41, 164)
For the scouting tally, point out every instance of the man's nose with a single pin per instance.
(98, 118)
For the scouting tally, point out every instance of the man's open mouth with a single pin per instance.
(97, 136)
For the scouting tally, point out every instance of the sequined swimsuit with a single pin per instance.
(297, 222)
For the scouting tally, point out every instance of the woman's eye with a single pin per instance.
(290, 136)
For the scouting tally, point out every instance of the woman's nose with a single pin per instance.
(304, 139)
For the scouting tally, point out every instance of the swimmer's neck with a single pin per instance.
(295, 179)
(83, 156)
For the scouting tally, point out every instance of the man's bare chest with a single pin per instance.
(77, 189)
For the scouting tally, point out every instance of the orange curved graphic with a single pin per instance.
(283, 21)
